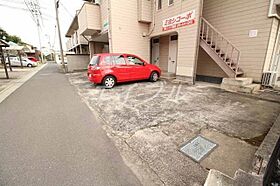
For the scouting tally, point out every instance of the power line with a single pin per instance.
(22, 2)
(14, 1)
(30, 10)
(66, 10)
(36, 14)
(45, 16)
(13, 7)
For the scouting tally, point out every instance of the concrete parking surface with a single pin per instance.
(149, 121)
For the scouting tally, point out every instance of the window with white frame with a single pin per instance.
(159, 4)
(170, 2)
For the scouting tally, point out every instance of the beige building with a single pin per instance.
(192, 39)
(76, 42)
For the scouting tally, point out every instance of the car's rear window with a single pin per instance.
(94, 61)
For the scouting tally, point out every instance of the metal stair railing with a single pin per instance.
(226, 50)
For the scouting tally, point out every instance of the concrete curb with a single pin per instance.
(265, 150)
(14, 85)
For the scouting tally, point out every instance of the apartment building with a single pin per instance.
(192, 39)
(76, 43)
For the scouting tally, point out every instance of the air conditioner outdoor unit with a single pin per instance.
(269, 78)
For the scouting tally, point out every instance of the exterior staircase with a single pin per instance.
(220, 49)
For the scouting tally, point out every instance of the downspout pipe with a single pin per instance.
(272, 59)
(154, 23)
(110, 26)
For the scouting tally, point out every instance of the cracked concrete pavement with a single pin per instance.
(149, 121)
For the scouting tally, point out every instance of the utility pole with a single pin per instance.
(20, 58)
(39, 36)
(9, 61)
(56, 3)
(4, 62)
(35, 10)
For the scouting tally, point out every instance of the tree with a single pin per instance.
(15, 39)
(3, 33)
(12, 38)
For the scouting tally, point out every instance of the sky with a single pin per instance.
(16, 20)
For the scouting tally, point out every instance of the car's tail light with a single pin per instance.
(97, 68)
(91, 67)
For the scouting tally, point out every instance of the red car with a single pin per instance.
(33, 59)
(109, 69)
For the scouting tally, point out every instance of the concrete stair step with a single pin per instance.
(237, 81)
(243, 89)
(243, 178)
(244, 85)
(250, 88)
(217, 178)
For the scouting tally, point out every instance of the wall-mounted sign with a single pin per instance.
(105, 25)
(184, 19)
(253, 33)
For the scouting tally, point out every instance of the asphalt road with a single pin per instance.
(48, 136)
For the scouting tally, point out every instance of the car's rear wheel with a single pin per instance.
(154, 76)
(29, 65)
(109, 81)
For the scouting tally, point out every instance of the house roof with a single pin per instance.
(3, 43)
(13, 46)
(73, 27)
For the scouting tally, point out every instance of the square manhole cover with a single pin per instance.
(198, 148)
